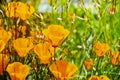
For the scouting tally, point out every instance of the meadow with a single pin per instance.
(60, 40)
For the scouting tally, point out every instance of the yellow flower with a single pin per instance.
(3, 62)
(10, 9)
(73, 52)
(4, 35)
(2, 45)
(56, 34)
(22, 46)
(88, 64)
(63, 70)
(103, 77)
(18, 71)
(72, 15)
(94, 78)
(115, 58)
(22, 29)
(19, 9)
(24, 11)
(100, 48)
(45, 52)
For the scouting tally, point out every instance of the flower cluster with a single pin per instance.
(102, 77)
(21, 46)
(19, 9)
(54, 45)
(101, 48)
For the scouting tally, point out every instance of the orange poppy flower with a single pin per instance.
(72, 15)
(19, 9)
(88, 64)
(103, 77)
(56, 34)
(2, 45)
(24, 11)
(10, 9)
(115, 58)
(22, 46)
(45, 52)
(5, 36)
(63, 70)
(17, 71)
(3, 62)
(113, 9)
(22, 29)
(94, 78)
(101, 48)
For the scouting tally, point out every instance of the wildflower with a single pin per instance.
(24, 11)
(3, 62)
(63, 70)
(113, 9)
(17, 71)
(10, 9)
(22, 46)
(2, 45)
(45, 52)
(103, 77)
(4, 35)
(85, 17)
(115, 58)
(19, 9)
(73, 52)
(56, 34)
(39, 35)
(36, 36)
(88, 64)
(22, 29)
(79, 47)
(94, 78)
(101, 48)
(72, 15)
(59, 19)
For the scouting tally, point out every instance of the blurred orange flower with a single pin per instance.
(103, 77)
(100, 48)
(22, 29)
(113, 9)
(22, 46)
(94, 78)
(88, 64)
(19, 9)
(4, 35)
(72, 15)
(2, 45)
(63, 70)
(3, 62)
(115, 58)
(17, 71)
(45, 52)
(56, 34)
